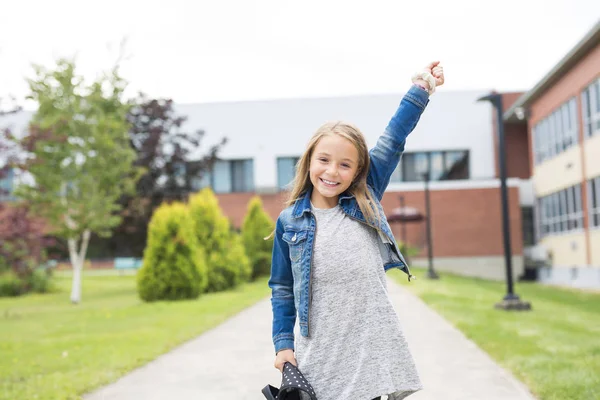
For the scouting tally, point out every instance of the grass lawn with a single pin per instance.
(554, 349)
(51, 349)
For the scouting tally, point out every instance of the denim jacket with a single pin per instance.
(291, 263)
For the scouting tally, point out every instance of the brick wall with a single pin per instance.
(517, 151)
(465, 222)
(516, 142)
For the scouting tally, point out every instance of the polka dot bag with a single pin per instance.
(293, 386)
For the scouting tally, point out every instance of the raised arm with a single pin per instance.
(385, 156)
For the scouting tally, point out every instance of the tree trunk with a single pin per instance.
(76, 284)
(77, 258)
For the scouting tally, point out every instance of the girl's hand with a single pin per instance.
(284, 356)
(435, 69)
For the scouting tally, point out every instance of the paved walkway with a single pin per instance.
(235, 361)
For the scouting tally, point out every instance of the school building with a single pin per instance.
(454, 142)
(562, 114)
(552, 141)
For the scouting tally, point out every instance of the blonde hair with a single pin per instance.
(358, 187)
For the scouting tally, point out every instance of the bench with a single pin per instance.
(48, 265)
(125, 263)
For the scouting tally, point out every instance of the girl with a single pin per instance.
(332, 247)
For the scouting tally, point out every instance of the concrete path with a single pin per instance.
(235, 361)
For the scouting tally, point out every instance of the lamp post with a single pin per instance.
(430, 271)
(511, 300)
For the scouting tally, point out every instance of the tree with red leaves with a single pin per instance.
(23, 240)
(164, 152)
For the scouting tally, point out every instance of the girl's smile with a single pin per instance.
(333, 167)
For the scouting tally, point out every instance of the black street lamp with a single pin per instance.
(511, 300)
(430, 271)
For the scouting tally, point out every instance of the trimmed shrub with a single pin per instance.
(227, 262)
(3, 264)
(258, 225)
(174, 265)
(39, 281)
(11, 284)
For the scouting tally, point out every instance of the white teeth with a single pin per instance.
(329, 182)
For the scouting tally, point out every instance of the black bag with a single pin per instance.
(293, 386)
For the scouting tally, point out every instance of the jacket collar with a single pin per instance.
(302, 205)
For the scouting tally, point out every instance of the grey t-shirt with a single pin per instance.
(356, 349)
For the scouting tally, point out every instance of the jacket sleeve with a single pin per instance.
(385, 156)
(282, 293)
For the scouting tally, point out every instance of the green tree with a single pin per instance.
(78, 156)
(171, 158)
(257, 226)
(174, 264)
(228, 264)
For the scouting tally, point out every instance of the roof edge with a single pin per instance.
(590, 39)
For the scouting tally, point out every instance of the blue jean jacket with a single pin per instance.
(291, 264)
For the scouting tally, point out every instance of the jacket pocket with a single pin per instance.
(296, 242)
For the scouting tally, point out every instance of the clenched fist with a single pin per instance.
(435, 69)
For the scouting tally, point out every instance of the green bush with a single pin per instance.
(408, 251)
(39, 281)
(258, 225)
(227, 262)
(3, 264)
(11, 284)
(174, 265)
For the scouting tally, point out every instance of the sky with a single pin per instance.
(230, 50)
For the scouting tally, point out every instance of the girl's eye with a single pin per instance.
(345, 166)
(323, 159)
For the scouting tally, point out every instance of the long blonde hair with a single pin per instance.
(358, 187)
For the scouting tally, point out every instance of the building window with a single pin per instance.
(441, 165)
(590, 100)
(561, 211)
(6, 185)
(555, 133)
(228, 176)
(528, 226)
(286, 170)
(594, 201)
(201, 182)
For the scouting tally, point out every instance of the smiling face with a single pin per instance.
(333, 166)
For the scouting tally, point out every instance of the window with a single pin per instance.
(527, 226)
(560, 211)
(414, 165)
(594, 201)
(201, 182)
(228, 176)
(590, 99)
(6, 185)
(441, 166)
(286, 170)
(555, 133)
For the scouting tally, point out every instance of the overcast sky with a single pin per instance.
(228, 50)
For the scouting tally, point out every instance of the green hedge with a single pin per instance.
(174, 265)
(258, 225)
(228, 264)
